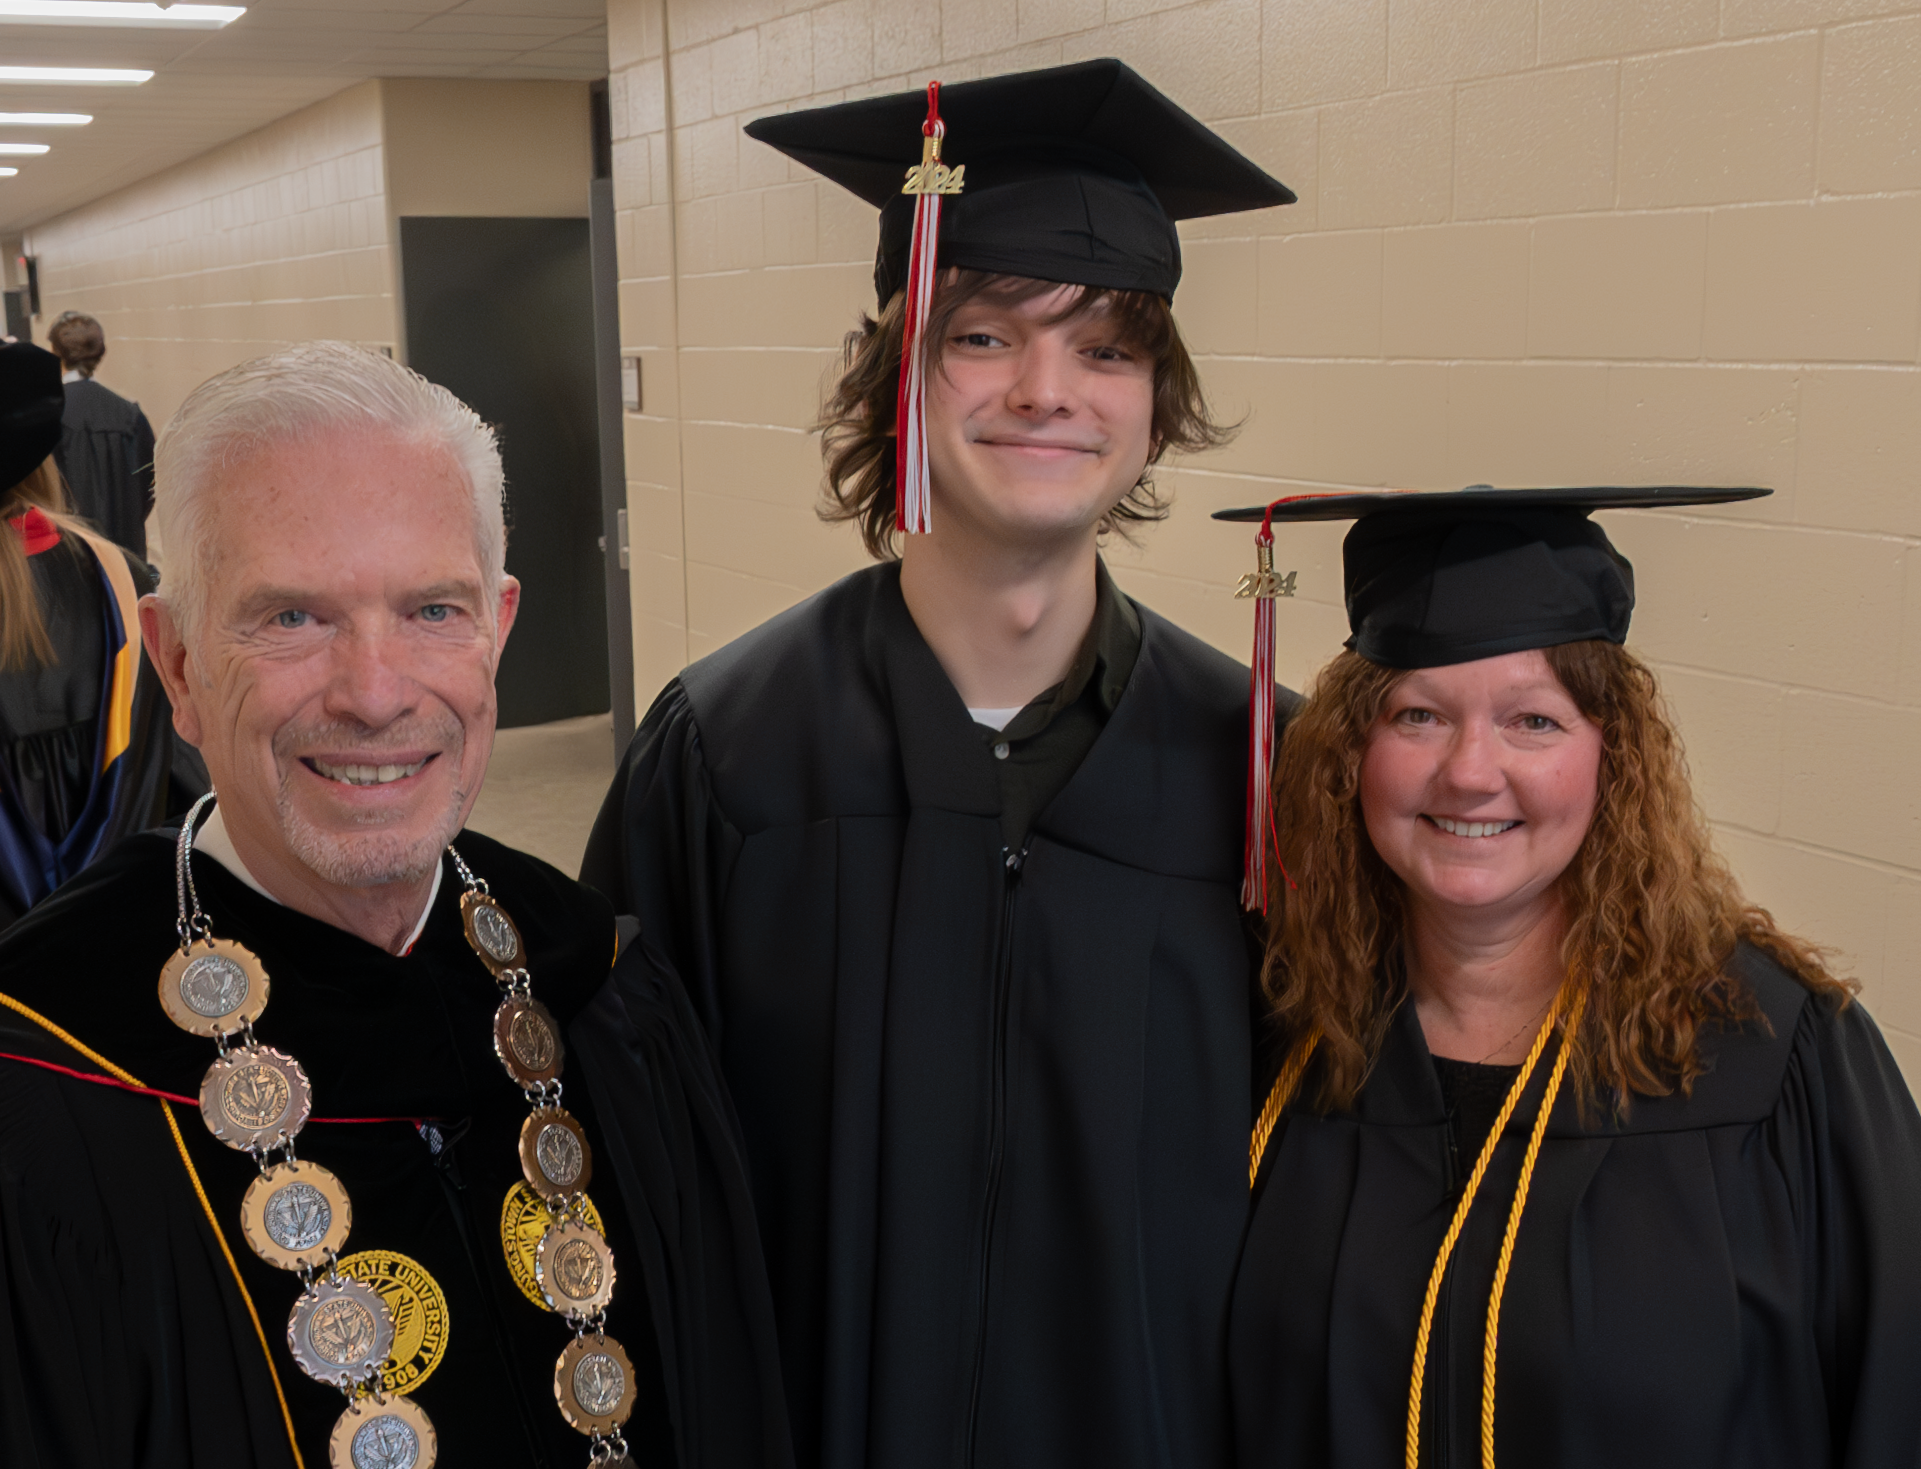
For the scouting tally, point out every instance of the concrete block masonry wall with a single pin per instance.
(1538, 242)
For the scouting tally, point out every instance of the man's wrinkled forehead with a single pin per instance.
(336, 510)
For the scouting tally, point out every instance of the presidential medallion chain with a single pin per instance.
(572, 1265)
(296, 1214)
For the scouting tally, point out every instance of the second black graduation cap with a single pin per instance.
(1434, 578)
(1074, 173)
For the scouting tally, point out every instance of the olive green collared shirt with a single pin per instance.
(1042, 746)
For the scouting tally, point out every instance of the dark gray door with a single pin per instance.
(500, 312)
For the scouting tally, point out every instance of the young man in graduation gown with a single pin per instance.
(106, 443)
(950, 854)
(287, 1171)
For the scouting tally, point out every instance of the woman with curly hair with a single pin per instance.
(1574, 1157)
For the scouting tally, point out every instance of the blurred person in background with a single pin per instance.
(85, 739)
(106, 443)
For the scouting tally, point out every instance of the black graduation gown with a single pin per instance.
(995, 1103)
(58, 809)
(106, 456)
(1728, 1278)
(124, 1339)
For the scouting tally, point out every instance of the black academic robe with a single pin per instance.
(105, 455)
(65, 796)
(124, 1337)
(1727, 1278)
(995, 1101)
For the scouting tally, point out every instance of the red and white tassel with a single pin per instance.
(927, 183)
(1260, 722)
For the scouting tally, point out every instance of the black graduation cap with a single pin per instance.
(32, 401)
(1451, 576)
(1444, 577)
(1073, 173)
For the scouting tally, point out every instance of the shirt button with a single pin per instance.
(1000, 750)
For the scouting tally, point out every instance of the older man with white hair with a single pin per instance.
(457, 1195)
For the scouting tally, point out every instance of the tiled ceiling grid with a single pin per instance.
(211, 86)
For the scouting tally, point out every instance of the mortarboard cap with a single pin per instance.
(1074, 173)
(1451, 576)
(32, 401)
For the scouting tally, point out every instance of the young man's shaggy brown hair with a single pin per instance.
(857, 424)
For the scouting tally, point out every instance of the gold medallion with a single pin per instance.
(295, 1215)
(340, 1332)
(594, 1384)
(554, 1154)
(419, 1309)
(255, 1097)
(383, 1433)
(575, 1269)
(524, 1220)
(527, 1040)
(213, 988)
(491, 933)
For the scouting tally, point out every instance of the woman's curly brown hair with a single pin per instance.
(1654, 914)
(857, 423)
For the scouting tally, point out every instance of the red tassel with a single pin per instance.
(927, 182)
(1260, 721)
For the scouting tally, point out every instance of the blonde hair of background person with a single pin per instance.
(23, 626)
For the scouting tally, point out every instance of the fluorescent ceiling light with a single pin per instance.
(99, 76)
(45, 119)
(7, 173)
(117, 13)
(19, 150)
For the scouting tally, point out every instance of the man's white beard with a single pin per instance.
(371, 859)
(374, 857)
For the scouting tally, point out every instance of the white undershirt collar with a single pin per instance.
(995, 718)
(72, 375)
(212, 838)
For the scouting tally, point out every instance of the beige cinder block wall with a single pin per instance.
(277, 236)
(1539, 241)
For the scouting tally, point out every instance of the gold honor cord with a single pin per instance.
(1507, 1242)
(1278, 1097)
(193, 1176)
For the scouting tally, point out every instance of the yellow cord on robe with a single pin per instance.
(1514, 1228)
(1453, 1235)
(199, 1192)
(1278, 1097)
(126, 662)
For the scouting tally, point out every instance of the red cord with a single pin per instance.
(148, 1091)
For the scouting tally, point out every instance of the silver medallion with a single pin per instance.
(213, 987)
(491, 932)
(295, 1214)
(554, 1154)
(559, 1154)
(383, 1433)
(340, 1331)
(574, 1268)
(594, 1384)
(255, 1097)
(527, 1040)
